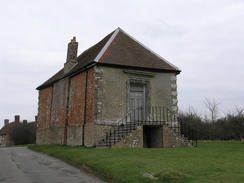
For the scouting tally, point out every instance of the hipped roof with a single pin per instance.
(6, 128)
(117, 49)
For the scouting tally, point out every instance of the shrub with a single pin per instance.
(23, 133)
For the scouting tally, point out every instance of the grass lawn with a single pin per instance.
(216, 162)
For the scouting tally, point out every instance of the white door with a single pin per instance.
(136, 101)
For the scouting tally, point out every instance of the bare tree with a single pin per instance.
(239, 112)
(212, 106)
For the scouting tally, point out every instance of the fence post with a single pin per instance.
(134, 122)
(106, 140)
(138, 116)
(109, 138)
(130, 122)
(114, 136)
(123, 128)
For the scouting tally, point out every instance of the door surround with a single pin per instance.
(144, 82)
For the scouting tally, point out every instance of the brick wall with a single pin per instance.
(77, 99)
(59, 103)
(44, 108)
(61, 109)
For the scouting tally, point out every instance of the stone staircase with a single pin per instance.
(160, 116)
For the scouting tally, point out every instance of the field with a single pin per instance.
(216, 162)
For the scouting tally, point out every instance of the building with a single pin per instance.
(5, 139)
(16, 132)
(118, 93)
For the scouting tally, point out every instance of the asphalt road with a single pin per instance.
(21, 165)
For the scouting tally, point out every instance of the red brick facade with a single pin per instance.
(44, 109)
(78, 89)
(68, 102)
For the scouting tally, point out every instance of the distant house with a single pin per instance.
(118, 93)
(16, 131)
(5, 139)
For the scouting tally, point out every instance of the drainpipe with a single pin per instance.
(85, 105)
(67, 114)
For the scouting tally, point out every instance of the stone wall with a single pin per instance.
(5, 140)
(161, 137)
(54, 135)
(42, 137)
(100, 132)
(74, 135)
(172, 139)
(111, 94)
(132, 140)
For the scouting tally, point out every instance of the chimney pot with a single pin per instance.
(6, 121)
(16, 118)
(25, 121)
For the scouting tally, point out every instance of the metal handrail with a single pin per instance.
(149, 116)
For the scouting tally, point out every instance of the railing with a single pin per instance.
(147, 116)
(189, 133)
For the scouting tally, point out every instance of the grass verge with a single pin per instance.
(217, 162)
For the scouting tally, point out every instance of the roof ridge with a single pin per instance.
(126, 51)
(100, 54)
(149, 49)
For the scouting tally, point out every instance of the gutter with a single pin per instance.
(85, 106)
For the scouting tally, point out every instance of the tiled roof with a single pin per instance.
(5, 128)
(117, 49)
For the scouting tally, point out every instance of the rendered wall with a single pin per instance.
(112, 85)
(110, 96)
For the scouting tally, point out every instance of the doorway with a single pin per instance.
(152, 137)
(137, 101)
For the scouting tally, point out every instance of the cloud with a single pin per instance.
(203, 38)
(159, 29)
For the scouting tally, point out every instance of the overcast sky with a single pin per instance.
(204, 38)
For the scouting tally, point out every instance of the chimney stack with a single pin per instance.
(71, 55)
(25, 121)
(16, 118)
(6, 121)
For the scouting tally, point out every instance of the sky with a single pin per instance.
(204, 38)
